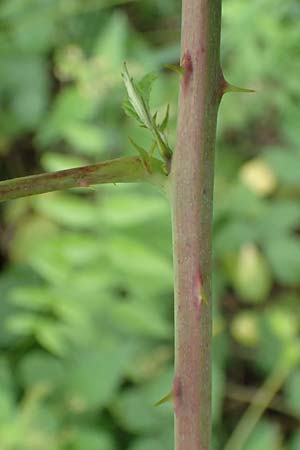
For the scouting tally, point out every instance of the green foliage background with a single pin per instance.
(86, 314)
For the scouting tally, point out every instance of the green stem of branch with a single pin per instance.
(192, 175)
(121, 170)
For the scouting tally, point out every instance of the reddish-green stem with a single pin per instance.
(121, 170)
(192, 175)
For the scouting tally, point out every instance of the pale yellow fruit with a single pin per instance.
(258, 177)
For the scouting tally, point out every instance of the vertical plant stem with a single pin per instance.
(192, 175)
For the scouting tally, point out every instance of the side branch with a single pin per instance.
(121, 170)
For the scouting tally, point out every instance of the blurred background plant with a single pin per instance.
(86, 311)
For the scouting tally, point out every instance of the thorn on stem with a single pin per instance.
(227, 87)
(232, 88)
(199, 296)
(187, 65)
(173, 395)
(165, 399)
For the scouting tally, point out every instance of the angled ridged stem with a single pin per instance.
(120, 170)
(192, 176)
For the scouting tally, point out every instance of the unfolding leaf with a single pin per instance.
(145, 86)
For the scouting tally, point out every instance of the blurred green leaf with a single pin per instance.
(265, 435)
(280, 217)
(218, 391)
(89, 139)
(58, 161)
(67, 209)
(294, 441)
(71, 108)
(161, 442)
(137, 319)
(292, 392)
(26, 81)
(108, 361)
(284, 257)
(111, 44)
(134, 408)
(123, 209)
(284, 163)
(136, 260)
(91, 439)
(51, 336)
(232, 236)
(41, 369)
